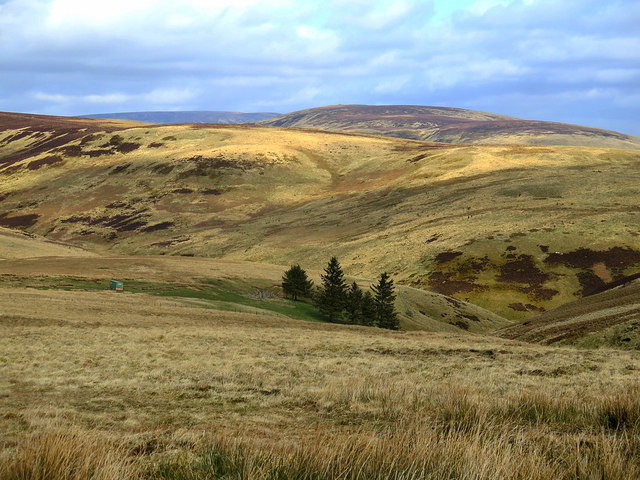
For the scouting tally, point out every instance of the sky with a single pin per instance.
(574, 61)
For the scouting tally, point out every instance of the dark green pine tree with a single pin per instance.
(332, 295)
(295, 283)
(354, 304)
(368, 309)
(384, 298)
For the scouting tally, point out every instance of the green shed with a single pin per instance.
(116, 285)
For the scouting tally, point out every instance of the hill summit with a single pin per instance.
(450, 125)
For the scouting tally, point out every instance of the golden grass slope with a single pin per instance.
(179, 392)
(610, 318)
(17, 244)
(515, 229)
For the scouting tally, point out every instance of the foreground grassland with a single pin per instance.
(109, 386)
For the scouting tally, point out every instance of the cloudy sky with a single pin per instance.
(575, 61)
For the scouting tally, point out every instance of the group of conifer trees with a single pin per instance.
(341, 303)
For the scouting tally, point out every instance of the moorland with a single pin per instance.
(515, 269)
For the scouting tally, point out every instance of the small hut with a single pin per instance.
(116, 285)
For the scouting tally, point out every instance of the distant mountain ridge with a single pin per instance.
(450, 125)
(415, 122)
(198, 116)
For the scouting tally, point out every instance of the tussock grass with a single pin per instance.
(486, 452)
(453, 437)
(66, 455)
(465, 408)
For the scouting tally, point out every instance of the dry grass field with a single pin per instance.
(125, 386)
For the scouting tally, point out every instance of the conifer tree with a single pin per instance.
(384, 298)
(368, 309)
(295, 283)
(332, 295)
(354, 304)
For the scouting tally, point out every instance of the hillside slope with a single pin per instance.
(514, 229)
(173, 117)
(24, 135)
(450, 125)
(610, 318)
(17, 244)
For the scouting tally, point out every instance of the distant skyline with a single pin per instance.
(573, 61)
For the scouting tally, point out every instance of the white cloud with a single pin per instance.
(109, 98)
(94, 13)
(179, 21)
(82, 55)
(495, 67)
(304, 95)
(48, 97)
(159, 96)
(384, 17)
(317, 42)
(615, 75)
(483, 6)
(392, 85)
(386, 59)
(169, 95)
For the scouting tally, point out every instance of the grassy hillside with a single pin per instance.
(123, 387)
(514, 229)
(24, 136)
(450, 125)
(610, 318)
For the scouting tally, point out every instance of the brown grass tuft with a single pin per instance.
(66, 455)
(416, 451)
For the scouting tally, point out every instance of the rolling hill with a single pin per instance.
(450, 125)
(200, 116)
(610, 318)
(514, 229)
(25, 136)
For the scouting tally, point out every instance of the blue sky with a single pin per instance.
(575, 61)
